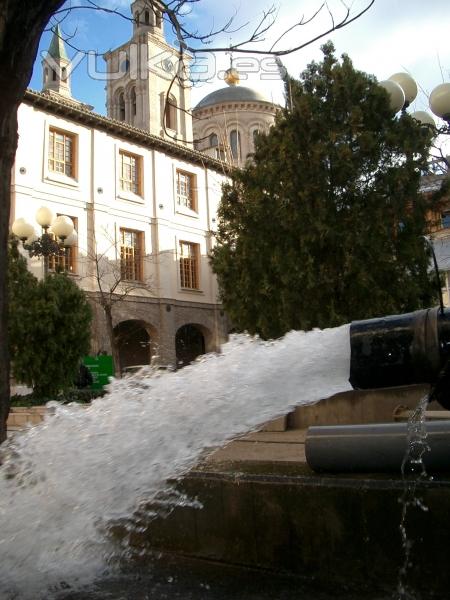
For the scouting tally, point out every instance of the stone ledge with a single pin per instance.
(21, 416)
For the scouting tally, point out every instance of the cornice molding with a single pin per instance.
(81, 113)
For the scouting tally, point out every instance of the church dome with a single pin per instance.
(232, 93)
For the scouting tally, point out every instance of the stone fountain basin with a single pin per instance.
(263, 507)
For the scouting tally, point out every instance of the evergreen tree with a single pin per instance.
(22, 290)
(49, 328)
(325, 226)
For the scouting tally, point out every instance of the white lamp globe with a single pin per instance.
(407, 83)
(31, 238)
(44, 216)
(71, 240)
(62, 226)
(396, 94)
(423, 117)
(22, 229)
(440, 101)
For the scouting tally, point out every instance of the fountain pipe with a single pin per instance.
(375, 448)
(390, 351)
(403, 349)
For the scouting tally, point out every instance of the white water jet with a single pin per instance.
(64, 480)
(413, 474)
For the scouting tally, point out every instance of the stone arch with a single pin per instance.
(191, 341)
(213, 140)
(137, 341)
(171, 113)
(257, 124)
(213, 136)
(120, 105)
(254, 130)
(235, 140)
(131, 101)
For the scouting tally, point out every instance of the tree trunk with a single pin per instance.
(8, 144)
(112, 340)
(21, 26)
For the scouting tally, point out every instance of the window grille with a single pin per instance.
(66, 261)
(129, 173)
(61, 152)
(189, 267)
(131, 244)
(186, 190)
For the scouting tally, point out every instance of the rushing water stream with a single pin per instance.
(63, 481)
(413, 473)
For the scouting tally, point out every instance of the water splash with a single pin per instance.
(63, 481)
(413, 473)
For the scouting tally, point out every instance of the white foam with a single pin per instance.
(85, 466)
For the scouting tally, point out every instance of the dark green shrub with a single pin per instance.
(72, 395)
(49, 328)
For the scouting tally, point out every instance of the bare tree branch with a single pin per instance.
(298, 24)
(173, 13)
(112, 286)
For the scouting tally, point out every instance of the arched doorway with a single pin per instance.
(134, 344)
(189, 343)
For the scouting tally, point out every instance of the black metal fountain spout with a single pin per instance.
(403, 349)
(391, 351)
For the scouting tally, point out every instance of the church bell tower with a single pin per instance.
(55, 67)
(141, 71)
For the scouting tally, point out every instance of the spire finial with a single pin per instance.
(57, 48)
(231, 74)
(230, 52)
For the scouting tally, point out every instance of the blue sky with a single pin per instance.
(395, 35)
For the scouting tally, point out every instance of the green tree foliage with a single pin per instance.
(325, 225)
(49, 328)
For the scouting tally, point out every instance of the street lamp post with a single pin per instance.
(402, 90)
(57, 235)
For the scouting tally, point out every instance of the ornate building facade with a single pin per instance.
(142, 196)
(142, 187)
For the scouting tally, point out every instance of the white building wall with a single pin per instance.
(35, 186)
(94, 198)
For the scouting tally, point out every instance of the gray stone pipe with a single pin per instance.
(375, 448)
